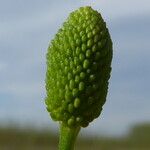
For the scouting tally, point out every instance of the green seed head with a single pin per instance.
(78, 68)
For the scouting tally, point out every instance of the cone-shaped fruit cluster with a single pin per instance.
(78, 68)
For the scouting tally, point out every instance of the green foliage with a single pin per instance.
(78, 68)
(29, 139)
(26, 139)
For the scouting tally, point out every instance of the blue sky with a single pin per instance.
(26, 28)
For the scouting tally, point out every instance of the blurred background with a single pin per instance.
(26, 28)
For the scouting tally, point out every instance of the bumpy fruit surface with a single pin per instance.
(78, 68)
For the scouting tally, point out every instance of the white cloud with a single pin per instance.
(28, 24)
(23, 89)
(119, 8)
(50, 16)
(2, 66)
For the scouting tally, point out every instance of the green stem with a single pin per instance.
(67, 137)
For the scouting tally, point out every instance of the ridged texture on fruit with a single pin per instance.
(78, 68)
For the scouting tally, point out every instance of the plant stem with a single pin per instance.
(67, 137)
